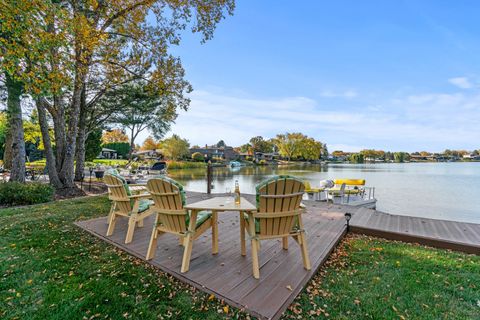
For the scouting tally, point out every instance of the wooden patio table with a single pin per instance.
(217, 204)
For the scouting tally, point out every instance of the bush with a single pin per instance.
(172, 165)
(17, 194)
(122, 148)
(197, 156)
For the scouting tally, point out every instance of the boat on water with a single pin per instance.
(351, 192)
(235, 164)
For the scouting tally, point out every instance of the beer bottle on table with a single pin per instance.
(237, 192)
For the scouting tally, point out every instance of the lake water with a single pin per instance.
(449, 191)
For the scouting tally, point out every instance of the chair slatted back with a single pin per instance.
(118, 193)
(168, 204)
(280, 198)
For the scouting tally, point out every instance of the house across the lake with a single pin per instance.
(471, 157)
(210, 152)
(108, 154)
(266, 156)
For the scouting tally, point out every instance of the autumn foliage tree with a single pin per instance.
(57, 51)
(298, 145)
(114, 135)
(175, 148)
(150, 144)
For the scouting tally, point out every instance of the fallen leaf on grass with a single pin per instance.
(211, 297)
(225, 309)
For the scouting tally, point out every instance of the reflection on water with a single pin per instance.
(435, 190)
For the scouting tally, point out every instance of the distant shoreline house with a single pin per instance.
(266, 156)
(434, 157)
(108, 154)
(471, 156)
(210, 152)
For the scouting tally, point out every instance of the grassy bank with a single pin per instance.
(50, 269)
(178, 165)
(369, 278)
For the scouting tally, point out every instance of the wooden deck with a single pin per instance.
(228, 275)
(444, 234)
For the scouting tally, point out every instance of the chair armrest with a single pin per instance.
(140, 196)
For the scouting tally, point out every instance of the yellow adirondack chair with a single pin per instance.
(278, 216)
(134, 207)
(169, 198)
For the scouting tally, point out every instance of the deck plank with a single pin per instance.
(228, 275)
(445, 234)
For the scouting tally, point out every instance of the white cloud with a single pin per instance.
(416, 122)
(461, 82)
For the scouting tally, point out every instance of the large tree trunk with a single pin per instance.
(81, 138)
(7, 153)
(133, 136)
(67, 172)
(15, 123)
(59, 122)
(47, 143)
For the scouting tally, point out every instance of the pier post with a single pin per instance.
(209, 177)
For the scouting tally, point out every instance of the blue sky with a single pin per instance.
(392, 75)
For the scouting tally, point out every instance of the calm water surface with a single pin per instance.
(448, 191)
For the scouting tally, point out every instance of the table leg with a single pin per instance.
(255, 245)
(214, 232)
(188, 242)
(242, 234)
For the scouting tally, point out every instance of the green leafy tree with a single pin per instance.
(81, 40)
(139, 109)
(310, 149)
(247, 147)
(175, 148)
(93, 145)
(357, 158)
(297, 145)
(122, 148)
(400, 156)
(289, 144)
(259, 144)
(197, 156)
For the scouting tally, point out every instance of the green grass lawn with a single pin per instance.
(50, 269)
(370, 278)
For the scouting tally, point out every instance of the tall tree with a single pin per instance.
(93, 145)
(112, 39)
(16, 139)
(150, 144)
(3, 132)
(139, 109)
(259, 144)
(175, 148)
(289, 144)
